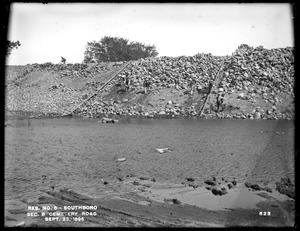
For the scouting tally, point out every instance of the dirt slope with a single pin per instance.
(257, 84)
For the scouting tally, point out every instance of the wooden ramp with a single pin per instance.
(213, 84)
(96, 92)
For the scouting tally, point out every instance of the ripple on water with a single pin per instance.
(79, 153)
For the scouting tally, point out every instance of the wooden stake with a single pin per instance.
(92, 95)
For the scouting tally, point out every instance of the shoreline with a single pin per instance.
(33, 115)
(140, 202)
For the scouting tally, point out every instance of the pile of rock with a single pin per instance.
(257, 72)
(176, 73)
(260, 72)
(254, 73)
(81, 70)
(272, 69)
(257, 187)
(216, 186)
(285, 186)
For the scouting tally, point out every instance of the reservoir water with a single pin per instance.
(80, 153)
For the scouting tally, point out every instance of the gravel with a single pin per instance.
(248, 76)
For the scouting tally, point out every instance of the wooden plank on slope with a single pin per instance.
(93, 94)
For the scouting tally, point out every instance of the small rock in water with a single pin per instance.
(193, 185)
(248, 184)
(121, 159)
(162, 150)
(233, 182)
(210, 182)
(224, 191)
(219, 192)
(108, 120)
(175, 201)
(253, 186)
(267, 189)
(256, 187)
(190, 179)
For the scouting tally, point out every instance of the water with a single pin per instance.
(78, 153)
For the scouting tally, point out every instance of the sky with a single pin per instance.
(48, 31)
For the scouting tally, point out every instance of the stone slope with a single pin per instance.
(256, 83)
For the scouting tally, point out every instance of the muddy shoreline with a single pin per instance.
(134, 205)
(23, 115)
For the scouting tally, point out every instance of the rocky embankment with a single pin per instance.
(256, 83)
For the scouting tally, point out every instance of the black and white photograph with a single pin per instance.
(149, 115)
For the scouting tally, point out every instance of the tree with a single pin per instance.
(112, 49)
(11, 45)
